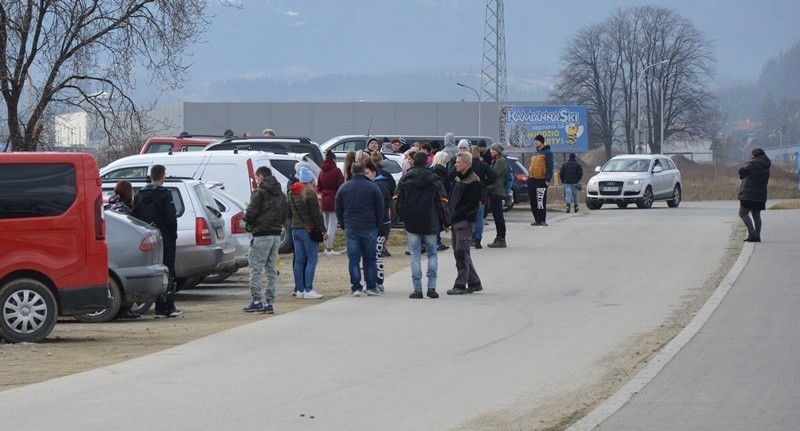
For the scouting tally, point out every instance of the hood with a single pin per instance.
(763, 160)
(421, 177)
(545, 148)
(271, 185)
(296, 188)
(449, 140)
(327, 165)
(150, 193)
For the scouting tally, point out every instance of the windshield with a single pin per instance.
(627, 165)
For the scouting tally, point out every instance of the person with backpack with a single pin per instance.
(571, 173)
(541, 173)
(497, 194)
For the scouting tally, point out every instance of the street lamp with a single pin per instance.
(637, 138)
(479, 104)
(661, 116)
(780, 149)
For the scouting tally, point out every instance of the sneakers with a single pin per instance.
(269, 309)
(458, 291)
(253, 307)
(356, 293)
(576, 208)
(568, 209)
(332, 252)
(431, 294)
(161, 315)
(442, 247)
(373, 292)
(312, 294)
(381, 289)
(477, 245)
(498, 243)
(298, 294)
(415, 295)
(477, 288)
(175, 312)
(543, 223)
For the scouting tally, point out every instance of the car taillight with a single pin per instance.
(522, 177)
(237, 223)
(202, 235)
(149, 243)
(99, 221)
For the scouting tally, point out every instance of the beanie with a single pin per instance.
(481, 143)
(463, 143)
(539, 138)
(572, 156)
(305, 175)
(499, 148)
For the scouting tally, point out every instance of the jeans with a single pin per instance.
(537, 190)
(497, 214)
(361, 246)
(331, 223)
(264, 253)
(467, 276)
(415, 241)
(753, 226)
(477, 234)
(571, 194)
(305, 260)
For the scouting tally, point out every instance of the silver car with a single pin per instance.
(135, 271)
(232, 210)
(635, 178)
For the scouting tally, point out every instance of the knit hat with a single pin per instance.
(481, 143)
(572, 156)
(499, 148)
(539, 138)
(305, 175)
(463, 143)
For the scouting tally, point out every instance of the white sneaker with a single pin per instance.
(373, 292)
(312, 294)
(332, 252)
(356, 293)
(299, 294)
(381, 288)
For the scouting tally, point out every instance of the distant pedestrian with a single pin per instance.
(154, 205)
(571, 173)
(486, 155)
(227, 134)
(487, 176)
(265, 214)
(497, 195)
(540, 175)
(420, 201)
(463, 207)
(246, 135)
(408, 159)
(359, 209)
(122, 199)
(268, 133)
(330, 179)
(306, 215)
(439, 167)
(371, 172)
(349, 159)
(753, 192)
(450, 145)
(373, 145)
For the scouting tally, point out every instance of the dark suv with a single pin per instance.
(298, 145)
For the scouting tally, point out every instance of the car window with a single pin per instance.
(627, 165)
(36, 190)
(207, 201)
(192, 147)
(392, 166)
(669, 164)
(286, 167)
(351, 145)
(159, 147)
(108, 190)
(131, 172)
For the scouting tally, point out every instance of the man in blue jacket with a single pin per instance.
(537, 183)
(359, 209)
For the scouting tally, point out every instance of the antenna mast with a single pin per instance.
(493, 78)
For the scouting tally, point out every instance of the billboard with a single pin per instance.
(565, 128)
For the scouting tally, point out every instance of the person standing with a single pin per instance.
(360, 211)
(571, 173)
(487, 176)
(372, 172)
(753, 192)
(154, 205)
(373, 145)
(440, 163)
(486, 155)
(463, 207)
(330, 179)
(266, 214)
(420, 204)
(497, 195)
(306, 215)
(540, 174)
(122, 202)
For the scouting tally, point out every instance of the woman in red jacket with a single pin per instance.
(330, 179)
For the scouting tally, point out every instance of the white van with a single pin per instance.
(236, 171)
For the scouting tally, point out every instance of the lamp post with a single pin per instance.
(780, 148)
(479, 103)
(661, 116)
(637, 136)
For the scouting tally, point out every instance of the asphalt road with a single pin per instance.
(557, 302)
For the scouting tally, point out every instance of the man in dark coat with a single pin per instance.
(571, 173)
(753, 192)
(463, 205)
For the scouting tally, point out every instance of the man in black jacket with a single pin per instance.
(571, 173)
(154, 205)
(419, 202)
(463, 205)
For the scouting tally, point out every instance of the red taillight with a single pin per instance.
(149, 243)
(202, 235)
(522, 177)
(99, 221)
(237, 223)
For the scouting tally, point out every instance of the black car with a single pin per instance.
(279, 144)
(519, 188)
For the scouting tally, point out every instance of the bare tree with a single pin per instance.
(57, 55)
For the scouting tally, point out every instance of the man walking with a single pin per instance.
(359, 209)
(420, 202)
(540, 174)
(463, 205)
(265, 214)
(154, 205)
(571, 173)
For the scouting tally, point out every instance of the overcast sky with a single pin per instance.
(298, 38)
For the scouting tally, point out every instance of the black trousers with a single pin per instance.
(166, 302)
(497, 214)
(537, 191)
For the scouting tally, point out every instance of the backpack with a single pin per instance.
(538, 169)
(509, 177)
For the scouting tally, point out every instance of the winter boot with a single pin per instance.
(567, 209)
(498, 243)
(576, 208)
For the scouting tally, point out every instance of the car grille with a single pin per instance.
(604, 186)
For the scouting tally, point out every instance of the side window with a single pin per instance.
(353, 145)
(177, 199)
(36, 190)
(670, 163)
(159, 147)
(132, 172)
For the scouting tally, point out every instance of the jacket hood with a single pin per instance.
(763, 160)
(422, 177)
(296, 188)
(545, 148)
(271, 185)
(449, 140)
(327, 165)
(150, 193)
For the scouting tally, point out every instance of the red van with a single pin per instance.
(183, 142)
(53, 253)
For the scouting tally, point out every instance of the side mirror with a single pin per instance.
(657, 169)
(597, 169)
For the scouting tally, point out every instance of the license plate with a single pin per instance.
(610, 189)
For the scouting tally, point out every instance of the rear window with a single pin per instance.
(391, 166)
(131, 172)
(208, 202)
(160, 147)
(36, 190)
(108, 190)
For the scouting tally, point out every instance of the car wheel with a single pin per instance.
(622, 205)
(647, 199)
(287, 246)
(218, 277)
(508, 203)
(676, 197)
(108, 314)
(28, 311)
(187, 282)
(141, 307)
(593, 204)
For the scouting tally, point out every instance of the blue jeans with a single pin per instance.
(305, 260)
(477, 234)
(264, 254)
(361, 246)
(571, 194)
(415, 248)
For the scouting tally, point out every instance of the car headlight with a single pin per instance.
(592, 181)
(634, 182)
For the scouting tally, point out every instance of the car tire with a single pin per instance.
(287, 246)
(647, 199)
(593, 204)
(622, 205)
(676, 197)
(187, 282)
(108, 314)
(39, 306)
(218, 277)
(141, 307)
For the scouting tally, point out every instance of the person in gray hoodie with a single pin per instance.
(753, 192)
(450, 145)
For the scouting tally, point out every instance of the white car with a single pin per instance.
(639, 179)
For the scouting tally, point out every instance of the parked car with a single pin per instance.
(135, 271)
(639, 179)
(232, 210)
(178, 143)
(392, 163)
(202, 247)
(53, 255)
(519, 188)
(345, 143)
(284, 145)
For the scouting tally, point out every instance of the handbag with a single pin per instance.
(314, 232)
